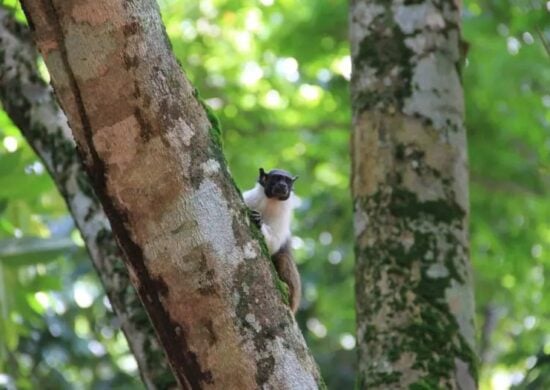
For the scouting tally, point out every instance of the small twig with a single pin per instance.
(542, 38)
(545, 43)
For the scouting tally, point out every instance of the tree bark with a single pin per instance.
(31, 105)
(410, 191)
(156, 163)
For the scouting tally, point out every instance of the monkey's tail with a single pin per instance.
(288, 273)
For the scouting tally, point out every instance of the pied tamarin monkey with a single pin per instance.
(271, 201)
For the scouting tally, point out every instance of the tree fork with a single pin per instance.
(157, 166)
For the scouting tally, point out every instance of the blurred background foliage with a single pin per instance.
(276, 73)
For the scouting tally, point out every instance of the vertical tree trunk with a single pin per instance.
(410, 192)
(31, 105)
(156, 162)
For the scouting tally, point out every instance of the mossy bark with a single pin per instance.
(156, 163)
(410, 192)
(31, 105)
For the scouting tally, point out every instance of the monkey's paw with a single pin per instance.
(256, 218)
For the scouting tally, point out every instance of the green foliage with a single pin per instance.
(275, 73)
(507, 81)
(56, 327)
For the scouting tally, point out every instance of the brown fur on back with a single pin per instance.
(288, 273)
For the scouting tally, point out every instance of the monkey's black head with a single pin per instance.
(277, 183)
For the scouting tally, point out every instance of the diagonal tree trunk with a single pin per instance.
(156, 163)
(31, 105)
(410, 191)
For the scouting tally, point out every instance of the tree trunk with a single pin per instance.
(31, 105)
(410, 191)
(156, 163)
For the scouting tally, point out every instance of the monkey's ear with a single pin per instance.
(263, 177)
(295, 178)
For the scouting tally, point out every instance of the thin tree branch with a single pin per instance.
(539, 32)
(543, 40)
(490, 321)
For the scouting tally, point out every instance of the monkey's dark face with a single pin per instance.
(277, 183)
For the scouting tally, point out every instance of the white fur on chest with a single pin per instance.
(276, 216)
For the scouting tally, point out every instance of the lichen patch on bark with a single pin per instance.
(298, 378)
(213, 219)
(249, 250)
(438, 95)
(461, 301)
(200, 220)
(413, 17)
(210, 167)
(364, 14)
(464, 380)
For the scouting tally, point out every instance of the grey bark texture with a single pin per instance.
(414, 294)
(31, 105)
(155, 159)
